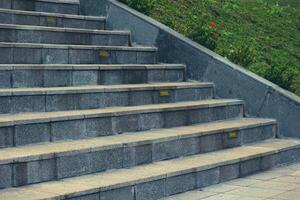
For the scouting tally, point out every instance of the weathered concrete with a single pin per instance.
(263, 98)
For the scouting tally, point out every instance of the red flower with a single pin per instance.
(212, 24)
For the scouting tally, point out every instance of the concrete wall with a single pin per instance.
(263, 98)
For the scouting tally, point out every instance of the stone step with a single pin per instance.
(165, 178)
(29, 53)
(54, 35)
(91, 97)
(43, 75)
(52, 6)
(20, 17)
(28, 128)
(54, 161)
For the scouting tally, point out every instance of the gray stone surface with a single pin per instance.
(31, 133)
(6, 176)
(137, 155)
(87, 197)
(208, 177)
(258, 134)
(69, 166)
(73, 129)
(45, 19)
(37, 171)
(126, 193)
(179, 184)
(250, 167)
(42, 6)
(229, 172)
(165, 150)
(50, 77)
(22, 34)
(6, 137)
(99, 126)
(150, 190)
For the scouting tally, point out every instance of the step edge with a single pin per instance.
(63, 29)
(99, 89)
(74, 151)
(60, 15)
(113, 111)
(61, 46)
(93, 188)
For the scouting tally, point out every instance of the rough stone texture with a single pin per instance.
(150, 191)
(126, 193)
(209, 177)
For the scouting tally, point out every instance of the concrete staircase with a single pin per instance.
(84, 114)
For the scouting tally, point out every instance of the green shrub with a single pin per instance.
(144, 6)
(205, 35)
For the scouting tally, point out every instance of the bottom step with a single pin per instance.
(165, 178)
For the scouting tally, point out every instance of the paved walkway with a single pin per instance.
(278, 184)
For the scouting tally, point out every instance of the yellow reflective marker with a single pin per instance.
(51, 19)
(164, 93)
(104, 53)
(232, 134)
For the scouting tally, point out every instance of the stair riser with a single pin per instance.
(21, 55)
(63, 101)
(28, 133)
(51, 21)
(56, 78)
(129, 155)
(61, 37)
(40, 6)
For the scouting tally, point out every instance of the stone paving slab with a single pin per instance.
(278, 184)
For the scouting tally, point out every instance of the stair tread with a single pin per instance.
(93, 183)
(62, 29)
(9, 120)
(102, 88)
(50, 150)
(91, 66)
(62, 1)
(68, 46)
(96, 18)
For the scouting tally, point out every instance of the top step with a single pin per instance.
(52, 6)
(21, 17)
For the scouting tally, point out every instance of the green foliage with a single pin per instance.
(260, 35)
(205, 35)
(144, 6)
